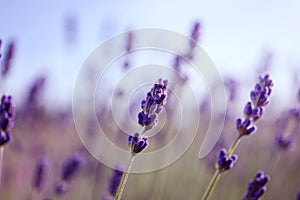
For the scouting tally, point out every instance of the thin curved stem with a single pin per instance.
(124, 178)
(234, 146)
(217, 173)
(211, 184)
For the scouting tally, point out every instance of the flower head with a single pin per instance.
(153, 104)
(7, 115)
(225, 162)
(115, 179)
(257, 187)
(71, 167)
(254, 109)
(137, 143)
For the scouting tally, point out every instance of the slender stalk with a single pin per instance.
(211, 185)
(234, 145)
(217, 173)
(1, 162)
(124, 178)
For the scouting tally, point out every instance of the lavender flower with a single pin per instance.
(257, 187)
(254, 110)
(136, 143)
(153, 104)
(225, 162)
(115, 179)
(7, 114)
(40, 175)
(298, 196)
(284, 142)
(8, 58)
(61, 189)
(71, 167)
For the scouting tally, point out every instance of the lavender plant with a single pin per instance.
(253, 111)
(8, 57)
(151, 107)
(69, 171)
(7, 115)
(257, 187)
(40, 176)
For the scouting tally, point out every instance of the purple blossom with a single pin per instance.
(7, 114)
(40, 174)
(254, 109)
(136, 143)
(115, 179)
(8, 57)
(257, 187)
(71, 167)
(225, 162)
(153, 104)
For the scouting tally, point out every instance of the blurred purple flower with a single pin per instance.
(257, 187)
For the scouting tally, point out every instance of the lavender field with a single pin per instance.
(146, 111)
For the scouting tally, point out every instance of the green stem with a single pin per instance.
(211, 185)
(124, 178)
(217, 173)
(234, 146)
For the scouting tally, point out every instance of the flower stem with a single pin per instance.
(217, 173)
(211, 185)
(124, 178)
(234, 146)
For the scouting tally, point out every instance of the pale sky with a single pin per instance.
(235, 34)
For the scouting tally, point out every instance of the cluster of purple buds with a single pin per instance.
(225, 162)
(253, 110)
(153, 104)
(195, 34)
(8, 57)
(7, 115)
(115, 179)
(40, 176)
(284, 142)
(71, 167)
(257, 187)
(137, 143)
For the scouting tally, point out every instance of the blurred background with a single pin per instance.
(46, 43)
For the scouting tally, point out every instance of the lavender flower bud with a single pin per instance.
(152, 106)
(136, 143)
(224, 162)
(284, 143)
(245, 127)
(7, 114)
(257, 187)
(40, 175)
(298, 196)
(61, 189)
(115, 179)
(8, 57)
(71, 167)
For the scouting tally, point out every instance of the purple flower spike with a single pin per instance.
(7, 114)
(72, 167)
(284, 142)
(137, 144)
(254, 110)
(225, 162)
(257, 187)
(153, 104)
(245, 127)
(115, 179)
